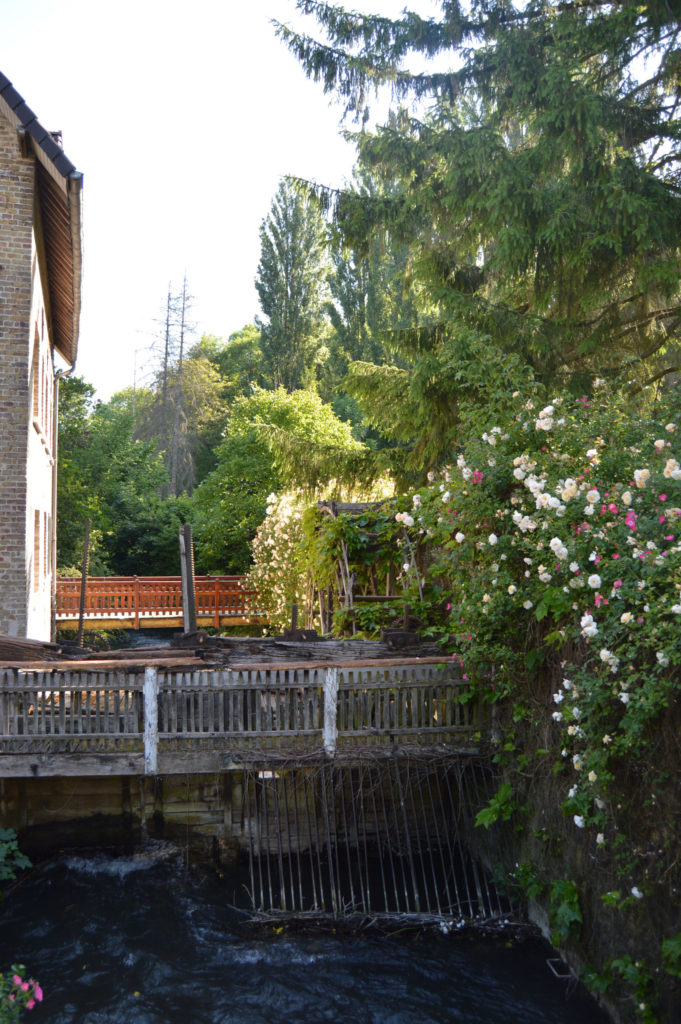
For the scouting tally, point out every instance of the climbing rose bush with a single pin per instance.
(559, 530)
(556, 531)
(287, 567)
(17, 994)
(277, 574)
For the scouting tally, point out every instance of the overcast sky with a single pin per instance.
(182, 117)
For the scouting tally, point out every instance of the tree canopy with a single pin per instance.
(537, 190)
(109, 476)
(290, 283)
(231, 502)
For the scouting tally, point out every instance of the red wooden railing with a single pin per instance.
(137, 597)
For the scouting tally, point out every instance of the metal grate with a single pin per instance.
(381, 837)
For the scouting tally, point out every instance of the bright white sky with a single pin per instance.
(182, 116)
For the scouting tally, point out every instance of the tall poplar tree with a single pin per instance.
(539, 193)
(367, 293)
(291, 285)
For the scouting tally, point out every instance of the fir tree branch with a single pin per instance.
(656, 376)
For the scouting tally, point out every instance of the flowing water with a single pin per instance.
(142, 939)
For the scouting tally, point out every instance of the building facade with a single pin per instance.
(40, 278)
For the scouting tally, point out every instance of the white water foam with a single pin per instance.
(153, 853)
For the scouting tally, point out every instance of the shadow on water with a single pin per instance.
(146, 637)
(143, 939)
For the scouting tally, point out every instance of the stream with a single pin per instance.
(144, 939)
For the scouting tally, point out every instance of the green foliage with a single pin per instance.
(278, 573)
(17, 994)
(186, 411)
(369, 302)
(549, 547)
(290, 284)
(11, 857)
(564, 911)
(231, 503)
(77, 497)
(637, 976)
(527, 878)
(113, 478)
(501, 807)
(671, 955)
(144, 541)
(239, 361)
(538, 197)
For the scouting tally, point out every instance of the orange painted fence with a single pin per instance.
(152, 597)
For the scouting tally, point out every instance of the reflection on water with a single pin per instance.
(116, 940)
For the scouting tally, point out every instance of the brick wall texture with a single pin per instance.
(25, 484)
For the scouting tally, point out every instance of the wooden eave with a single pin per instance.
(63, 262)
(59, 209)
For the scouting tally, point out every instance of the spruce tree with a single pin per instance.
(367, 293)
(538, 192)
(291, 283)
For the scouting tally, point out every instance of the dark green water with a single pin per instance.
(142, 940)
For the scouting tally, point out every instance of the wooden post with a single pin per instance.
(187, 567)
(83, 582)
(136, 601)
(330, 710)
(150, 720)
(217, 603)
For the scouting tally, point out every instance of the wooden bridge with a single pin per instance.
(349, 784)
(178, 716)
(148, 602)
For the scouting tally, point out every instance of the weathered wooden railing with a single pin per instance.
(139, 600)
(114, 720)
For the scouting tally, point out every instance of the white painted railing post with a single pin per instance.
(150, 721)
(330, 710)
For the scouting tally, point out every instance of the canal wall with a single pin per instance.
(49, 813)
(607, 903)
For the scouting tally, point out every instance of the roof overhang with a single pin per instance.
(59, 209)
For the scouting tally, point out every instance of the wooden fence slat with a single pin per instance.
(85, 710)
